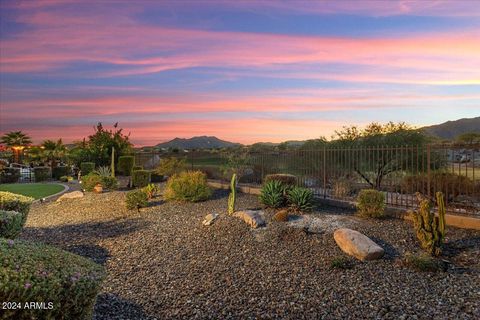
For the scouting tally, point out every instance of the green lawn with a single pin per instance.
(34, 190)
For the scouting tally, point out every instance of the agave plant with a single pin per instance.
(272, 194)
(103, 171)
(300, 199)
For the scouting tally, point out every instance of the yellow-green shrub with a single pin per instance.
(371, 203)
(140, 178)
(15, 202)
(171, 166)
(188, 186)
(136, 199)
(39, 273)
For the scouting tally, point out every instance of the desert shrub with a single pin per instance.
(10, 224)
(188, 186)
(341, 262)
(41, 173)
(125, 165)
(151, 190)
(9, 175)
(15, 202)
(63, 179)
(342, 187)
(272, 194)
(37, 272)
(135, 168)
(103, 171)
(423, 262)
(447, 182)
(87, 167)
(91, 180)
(171, 166)
(60, 171)
(109, 182)
(300, 199)
(155, 177)
(140, 178)
(371, 203)
(136, 199)
(286, 179)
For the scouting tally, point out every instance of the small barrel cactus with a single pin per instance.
(429, 227)
(233, 194)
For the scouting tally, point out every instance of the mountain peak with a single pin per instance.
(198, 142)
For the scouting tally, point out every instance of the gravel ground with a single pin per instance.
(162, 263)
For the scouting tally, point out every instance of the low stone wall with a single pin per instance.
(464, 222)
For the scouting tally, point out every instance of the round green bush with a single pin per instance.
(125, 165)
(140, 178)
(136, 199)
(87, 167)
(91, 180)
(41, 173)
(188, 186)
(67, 283)
(63, 179)
(10, 224)
(371, 203)
(15, 202)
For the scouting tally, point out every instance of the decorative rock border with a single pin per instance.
(464, 222)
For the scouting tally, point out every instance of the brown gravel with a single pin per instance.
(162, 263)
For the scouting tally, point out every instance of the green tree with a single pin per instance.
(379, 149)
(100, 144)
(53, 151)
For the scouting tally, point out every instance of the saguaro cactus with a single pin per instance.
(429, 227)
(112, 165)
(233, 194)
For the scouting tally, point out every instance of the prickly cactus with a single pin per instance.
(112, 165)
(233, 194)
(430, 228)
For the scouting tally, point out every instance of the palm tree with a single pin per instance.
(53, 151)
(17, 140)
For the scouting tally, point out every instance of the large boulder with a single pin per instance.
(254, 218)
(71, 195)
(358, 245)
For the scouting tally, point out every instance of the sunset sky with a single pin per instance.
(242, 71)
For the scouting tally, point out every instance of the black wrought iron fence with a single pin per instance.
(340, 173)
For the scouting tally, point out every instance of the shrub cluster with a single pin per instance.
(449, 182)
(276, 194)
(286, 179)
(36, 272)
(188, 186)
(9, 175)
(125, 165)
(60, 171)
(87, 167)
(371, 203)
(136, 199)
(91, 180)
(10, 224)
(15, 202)
(41, 173)
(140, 178)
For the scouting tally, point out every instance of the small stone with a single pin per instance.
(209, 219)
(281, 216)
(251, 217)
(358, 245)
(71, 195)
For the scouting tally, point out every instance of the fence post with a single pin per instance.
(428, 169)
(324, 172)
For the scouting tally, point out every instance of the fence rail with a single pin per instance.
(340, 173)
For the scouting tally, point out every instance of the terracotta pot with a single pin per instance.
(98, 188)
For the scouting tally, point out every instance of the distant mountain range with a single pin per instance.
(202, 142)
(448, 130)
(451, 129)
